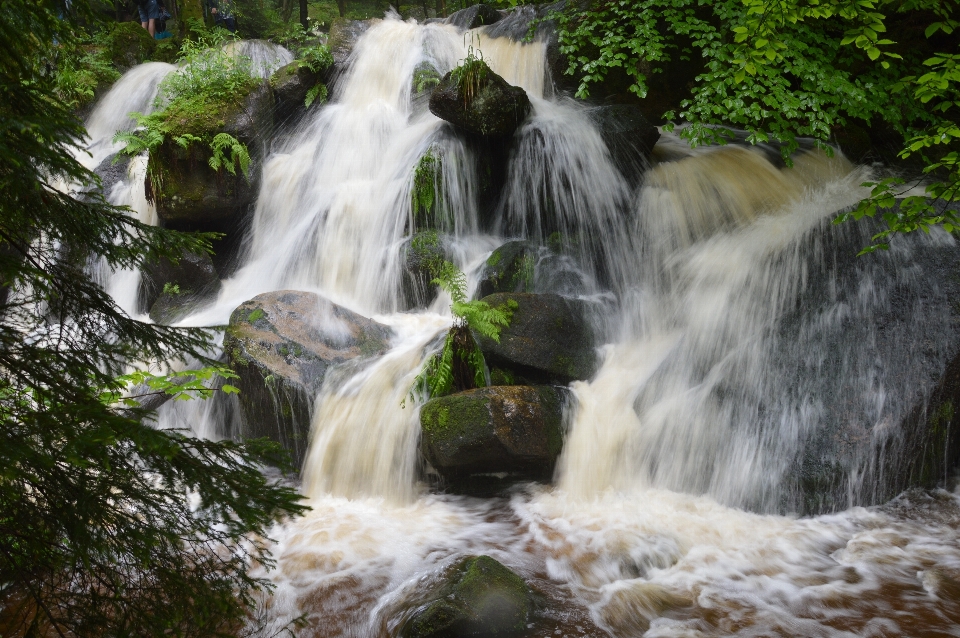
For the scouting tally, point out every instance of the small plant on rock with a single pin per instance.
(471, 74)
(460, 364)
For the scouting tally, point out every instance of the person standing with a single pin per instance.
(222, 12)
(149, 14)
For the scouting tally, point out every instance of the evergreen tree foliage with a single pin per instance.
(97, 535)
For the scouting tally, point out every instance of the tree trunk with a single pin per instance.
(342, 6)
(303, 15)
(441, 8)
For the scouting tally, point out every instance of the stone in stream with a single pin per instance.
(549, 338)
(516, 430)
(419, 258)
(494, 108)
(282, 344)
(182, 285)
(629, 137)
(478, 597)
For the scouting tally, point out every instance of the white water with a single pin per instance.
(688, 422)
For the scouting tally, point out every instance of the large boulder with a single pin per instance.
(282, 344)
(510, 429)
(128, 44)
(509, 268)
(343, 37)
(473, 17)
(189, 195)
(550, 338)
(490, 106)
(479, 597)
(629, 137)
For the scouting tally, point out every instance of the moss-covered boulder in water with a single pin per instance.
(549, 338)
(509, 268)
(480, 597)
(129, 44)
(281, 344)
(511, 429)
(487, 105)
(188, 193)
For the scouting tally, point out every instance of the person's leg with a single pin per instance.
(153, 14)
(152, 27)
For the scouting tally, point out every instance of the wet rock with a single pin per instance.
(419, 258)
(282, 344)
(472, 17)
(425, 78)
(495, 108)
(509, 268)
(290, 85)
(629, 137)
(189, 195)
(343, 37)
(193, 275)
(511, 429)
(480, 597)
(549, 338)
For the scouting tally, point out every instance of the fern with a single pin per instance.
(317, 94)
(239, 155)
(436, 378)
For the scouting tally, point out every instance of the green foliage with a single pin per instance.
(427, 192)
(316, 57)
(132, 388)
(97, 536)
(784, 68)
(317, 93)
(470, 74)
(436, 378)
(191, 103)
(171, 289)
(425, 79)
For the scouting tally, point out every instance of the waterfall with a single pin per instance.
(740, 338)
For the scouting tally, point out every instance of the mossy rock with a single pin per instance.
(192, 275)
(495, 108)
(509, 268)
(550, 338)
(167, 50)
(481, 597)
(419, 256)
(343, 36)
(500, 429)
(290, 85)
(282, 345)
(188, 193)
(129, 44)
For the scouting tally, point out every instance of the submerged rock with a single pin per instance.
(515, 430)
(281, 344)
(549, 338)
(480, 597)
(489, 106)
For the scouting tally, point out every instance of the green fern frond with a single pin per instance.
(317, 94)
(187, 139)
(239, 155)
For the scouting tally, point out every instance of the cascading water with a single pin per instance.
(735, 321)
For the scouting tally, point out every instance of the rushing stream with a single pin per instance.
(665, 516)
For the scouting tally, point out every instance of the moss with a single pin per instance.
(256, 314)
(427, 192)
(454, 415)
(495, 258)
(499, 376)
